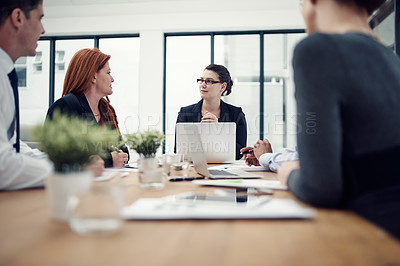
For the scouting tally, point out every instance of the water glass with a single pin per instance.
(150, 174)
(96, 211)
(175, 165)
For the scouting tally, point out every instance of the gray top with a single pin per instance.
(348, 101)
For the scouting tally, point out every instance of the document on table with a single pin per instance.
(242, 183)
(110, 173)
(240, 165)
(163, 209)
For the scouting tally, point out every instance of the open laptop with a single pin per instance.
(200, 163)
(218, 140)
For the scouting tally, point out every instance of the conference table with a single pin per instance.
(29, 236)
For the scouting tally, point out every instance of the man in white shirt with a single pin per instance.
(261, 154)
(20, 28)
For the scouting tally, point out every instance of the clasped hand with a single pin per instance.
(209, 118)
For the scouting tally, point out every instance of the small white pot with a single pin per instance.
(61, 185)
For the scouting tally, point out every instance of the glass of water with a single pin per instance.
(176, 165)
(96, 211)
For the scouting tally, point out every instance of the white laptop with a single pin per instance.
(200, 163)
(218, 140)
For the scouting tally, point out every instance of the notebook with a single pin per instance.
(218, 140)
(200, 163)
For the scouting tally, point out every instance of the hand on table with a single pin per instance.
(95, 165)
(249, 158)
(284, 171)
(119, 158)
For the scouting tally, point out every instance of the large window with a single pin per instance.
(34, 86)
(186, 59)
(124, 64)
(240, 54)
(65, 50)
(41, 77)
(279, 107)
(260, 65)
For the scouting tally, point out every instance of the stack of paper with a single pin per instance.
(242, 183)
(163, 209)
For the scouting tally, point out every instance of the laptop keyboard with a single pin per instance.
(221, 172)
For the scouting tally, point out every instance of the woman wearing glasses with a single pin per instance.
(215, 82)
(348, 100)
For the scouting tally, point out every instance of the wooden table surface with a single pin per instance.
(28, 236)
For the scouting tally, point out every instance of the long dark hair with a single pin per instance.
(224, 76)
(7, 6)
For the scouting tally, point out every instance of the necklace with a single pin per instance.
(96, 114)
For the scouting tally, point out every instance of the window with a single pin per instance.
(187, 57)
(271, 114)
(60, 60)
(279, 103)
(65, 50)
(34, 98)
(20, 68)
(240, 54)
(124, 64)
(37, 61)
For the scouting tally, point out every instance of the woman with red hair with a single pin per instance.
(87, 84)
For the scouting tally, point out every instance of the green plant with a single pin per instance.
(145, 143)
(70, 141)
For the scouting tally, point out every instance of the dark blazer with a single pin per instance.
(77, 104)
(229, 113)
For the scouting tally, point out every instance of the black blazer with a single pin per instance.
(77, 104)
(229, 113)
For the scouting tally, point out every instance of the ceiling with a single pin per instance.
(96, 2)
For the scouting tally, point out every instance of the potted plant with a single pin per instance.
(70, 142)
(146, 144)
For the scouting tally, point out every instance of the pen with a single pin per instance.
(174, 179)
(246, 152)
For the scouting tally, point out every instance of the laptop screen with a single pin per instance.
(218, 140)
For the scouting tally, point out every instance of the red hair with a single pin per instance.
(80, 73)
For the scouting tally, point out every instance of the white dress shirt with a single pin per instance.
(17, 170)
(273, 161)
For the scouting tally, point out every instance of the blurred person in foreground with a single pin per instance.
(348, 84)
(20, 28)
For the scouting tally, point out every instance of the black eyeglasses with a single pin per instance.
(207, 81)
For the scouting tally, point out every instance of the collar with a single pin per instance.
(83, 102)
(6, 63)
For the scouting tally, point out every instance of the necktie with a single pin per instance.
(14, 83)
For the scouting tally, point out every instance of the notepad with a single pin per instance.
(242, 183)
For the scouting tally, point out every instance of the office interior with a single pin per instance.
(159, 47)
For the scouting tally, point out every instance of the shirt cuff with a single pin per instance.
(265, 160)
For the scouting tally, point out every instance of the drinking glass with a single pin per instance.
(175, 165)
(96, 211)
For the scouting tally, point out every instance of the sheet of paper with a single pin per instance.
(108, 174)
(162, 209)
(242, 183)
(239, 165)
